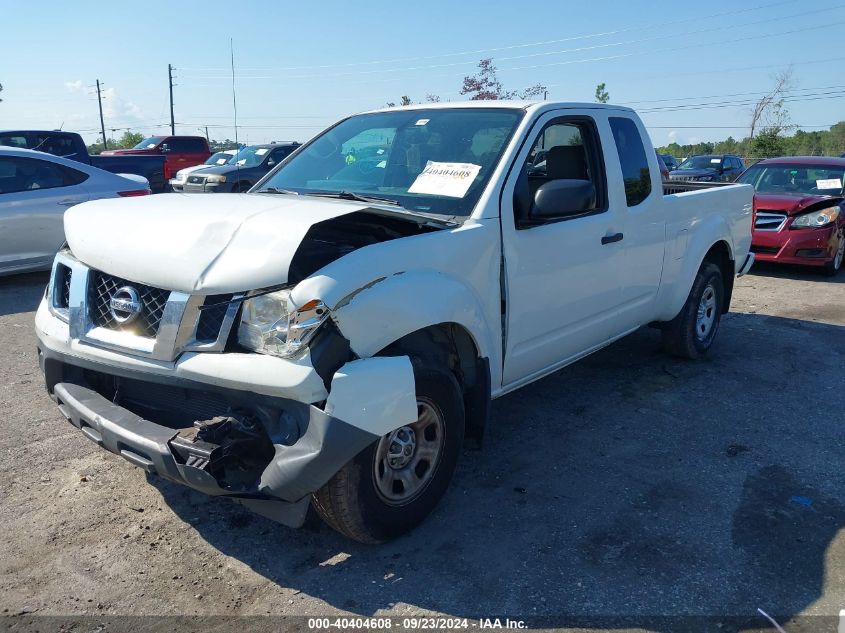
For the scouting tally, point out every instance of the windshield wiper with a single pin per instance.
(350, 195)
(277, 190)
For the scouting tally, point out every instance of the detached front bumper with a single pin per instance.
(280, 444)
(805, 247)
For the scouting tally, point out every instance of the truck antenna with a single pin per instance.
(235, 111)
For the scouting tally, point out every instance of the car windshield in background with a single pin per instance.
(249, 156)
(701, 162)
(432, 161)
(795, 179)
(148, 143)
(220, 158)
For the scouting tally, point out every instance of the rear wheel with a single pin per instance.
(691, 333)
(393, 484)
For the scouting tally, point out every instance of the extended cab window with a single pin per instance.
(632, 159)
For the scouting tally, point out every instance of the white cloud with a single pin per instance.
(74, 86)
(673, 136)
(120, 111)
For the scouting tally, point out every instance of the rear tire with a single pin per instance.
(360, 502)
(691, 333)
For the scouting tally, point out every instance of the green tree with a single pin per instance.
(129, 140)
(768, 143)
(602, 96)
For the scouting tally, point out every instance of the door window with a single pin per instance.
(566, 149)
(29, 174)
(632, 159)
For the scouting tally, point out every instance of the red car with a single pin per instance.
(800, 211)
(179, 151)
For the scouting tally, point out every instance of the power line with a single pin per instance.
(663, 24)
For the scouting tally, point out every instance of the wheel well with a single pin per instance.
(241, 185)
(451, 345)
(720, 254)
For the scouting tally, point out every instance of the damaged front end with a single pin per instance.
(266, 453)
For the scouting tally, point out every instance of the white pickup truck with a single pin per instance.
(334, 335)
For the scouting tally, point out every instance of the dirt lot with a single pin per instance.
(629, 484)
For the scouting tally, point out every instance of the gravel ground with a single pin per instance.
(625, 488)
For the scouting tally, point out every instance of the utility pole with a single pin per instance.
(102, 123)
(170, 82)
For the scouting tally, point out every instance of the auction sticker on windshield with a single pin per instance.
(829, 183)
(445, 179)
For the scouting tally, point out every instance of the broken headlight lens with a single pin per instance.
(271, 324)
(815, 219)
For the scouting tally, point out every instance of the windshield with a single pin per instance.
(220, 158)
(434, 161)
(795, 179)
(149, 143)
(701, 162)
(250, 156)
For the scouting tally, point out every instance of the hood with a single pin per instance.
(789, 204)
(189, 170)
(691, 173)
(225, 170)
(197, 244)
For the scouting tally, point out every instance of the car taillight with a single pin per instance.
(134, 192)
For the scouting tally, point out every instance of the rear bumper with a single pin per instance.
(806, 247)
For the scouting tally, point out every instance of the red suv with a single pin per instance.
(800, 212)
(179, 151)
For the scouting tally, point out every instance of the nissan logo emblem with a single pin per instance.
(125, 305)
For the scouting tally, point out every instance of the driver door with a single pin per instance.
(562, 275)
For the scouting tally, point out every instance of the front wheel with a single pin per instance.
(835, 265)
(393, 484)
(691, 333)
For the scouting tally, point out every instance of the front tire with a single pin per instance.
(393, 484)
(833, 267)
(691, 333)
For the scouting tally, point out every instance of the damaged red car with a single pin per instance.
(800, 211)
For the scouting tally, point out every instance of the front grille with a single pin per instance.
(101, 287)
(196, 180)
(62, 287)
(769, 220)
(212, 313)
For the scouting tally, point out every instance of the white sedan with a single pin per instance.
(35, 190)
(215, 160)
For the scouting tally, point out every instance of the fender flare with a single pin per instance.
(387, 309)
(712, 230)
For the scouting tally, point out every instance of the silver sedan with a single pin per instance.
(35, 190)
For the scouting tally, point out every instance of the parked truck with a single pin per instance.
(178, 151)
(334, 336)
(71, 146)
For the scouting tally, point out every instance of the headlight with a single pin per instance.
(215, 178)
(271, 324)
(815, 219)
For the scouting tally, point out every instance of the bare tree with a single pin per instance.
(769, 111)
(485, 85)
(432, 98)
(1, 90)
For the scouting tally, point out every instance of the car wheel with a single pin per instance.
(691, 333)
(393, 484)
(835, 265)
(240, 187)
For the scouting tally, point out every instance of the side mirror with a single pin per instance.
(164, 148)
(562, 198)
(270, 163)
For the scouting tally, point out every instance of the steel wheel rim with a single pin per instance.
(407, 458)
(706, 314)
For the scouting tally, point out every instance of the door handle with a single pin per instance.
(69, 202)
(609, 239)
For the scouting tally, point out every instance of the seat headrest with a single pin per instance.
(566, 161)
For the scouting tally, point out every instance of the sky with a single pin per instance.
(690, 68)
